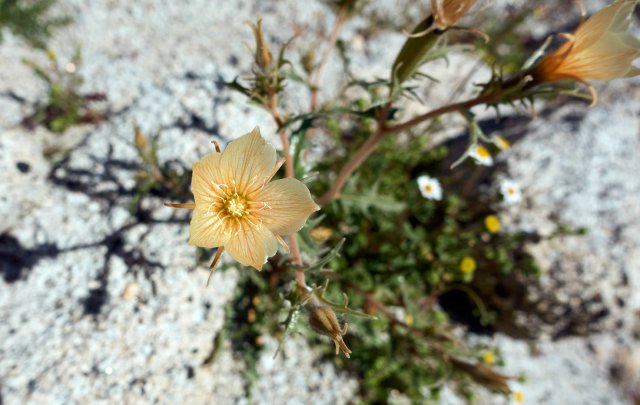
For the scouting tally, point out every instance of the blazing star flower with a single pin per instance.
(448, 12)
(430, 188)
(238, 209)
(600, 49)
(481, 155)
(510, 191)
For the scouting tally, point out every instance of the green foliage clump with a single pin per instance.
(156, 178)
(29, 19)
(65, 105)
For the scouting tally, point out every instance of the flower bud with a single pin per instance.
(140, 139)
(448, 12)
(323, 320)
(263, 55)
(415, 50)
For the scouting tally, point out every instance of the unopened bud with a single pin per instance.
(323, 320)
(448, 12)
(415, 50)
(140, 139)
(321, 233)
(308, 61)
(263, 55)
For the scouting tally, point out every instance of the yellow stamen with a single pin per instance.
(236, 206)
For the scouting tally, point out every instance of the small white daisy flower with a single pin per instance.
(430, 188)
(510, 191)
(501, 142)
(517, 394)
(481, 155)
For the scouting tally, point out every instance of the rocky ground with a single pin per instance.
(98, 304)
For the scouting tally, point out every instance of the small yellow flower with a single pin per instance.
(238, 208)
(468, 265)
(408, 319)
(448, 12)
(489, 358)
(600, 49)
(492, 223)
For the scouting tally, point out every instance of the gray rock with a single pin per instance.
(98, 305)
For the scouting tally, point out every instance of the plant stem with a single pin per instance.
(288, 172)
(341, 17)
(372, 142)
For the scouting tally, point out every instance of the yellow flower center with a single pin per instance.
(489, 358)
(518, 397)
(503, 143)
(428, 188)
(511, 191)
(483, 152)
(236, 206)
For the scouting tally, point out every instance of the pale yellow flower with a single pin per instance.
(448, 12)
(600, 49)
(238, 209)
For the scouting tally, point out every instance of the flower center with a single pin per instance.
(236, 206)
(483, 152)
(428, 188)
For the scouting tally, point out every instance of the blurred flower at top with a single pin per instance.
(600, 49)
(448, 12)
(481, 155)
(430, 188)
(238, 208)
(510, 191)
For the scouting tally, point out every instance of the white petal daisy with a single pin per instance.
(430, 188)
(517, 394)
(510, 191)
(481, 155)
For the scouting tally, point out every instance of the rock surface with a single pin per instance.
(100, 305)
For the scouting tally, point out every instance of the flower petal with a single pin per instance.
(207, 229)
(207, 179)
(288, 205)
(251, 244)
(248, 160)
